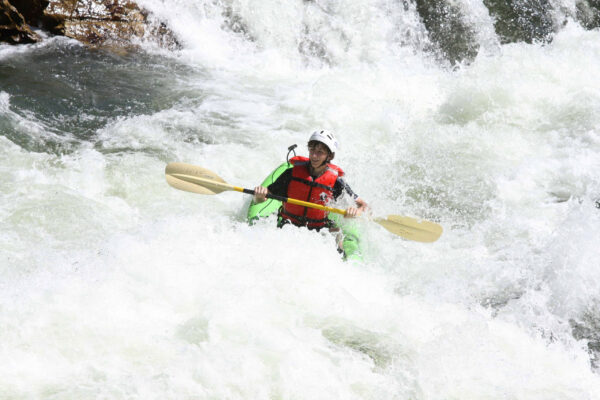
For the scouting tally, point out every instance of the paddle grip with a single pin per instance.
(269, 195)
(275, 197)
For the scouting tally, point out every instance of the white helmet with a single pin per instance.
(325, 137)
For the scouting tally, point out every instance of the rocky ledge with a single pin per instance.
(116, 23)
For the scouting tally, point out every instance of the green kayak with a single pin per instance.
(351, 241)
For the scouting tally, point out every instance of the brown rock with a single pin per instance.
(31, 10)
(104, 31)
(101, 22)
(13, 28)
(113, 23)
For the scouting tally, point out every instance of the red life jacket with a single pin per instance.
(304, 187)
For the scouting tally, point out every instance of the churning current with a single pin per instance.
(116, 286)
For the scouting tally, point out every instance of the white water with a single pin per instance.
(116, 286)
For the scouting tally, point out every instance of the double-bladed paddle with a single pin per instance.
(192, 178)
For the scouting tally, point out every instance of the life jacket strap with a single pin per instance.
(312, 183)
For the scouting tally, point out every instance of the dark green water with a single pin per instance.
(71, 91)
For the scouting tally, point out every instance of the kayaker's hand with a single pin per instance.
(352, 212)
(260, 194)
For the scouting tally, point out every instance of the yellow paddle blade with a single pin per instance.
(192, 178)
(411, 228)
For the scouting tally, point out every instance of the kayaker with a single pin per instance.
(313, 179)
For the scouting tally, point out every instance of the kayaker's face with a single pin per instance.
(318, 155)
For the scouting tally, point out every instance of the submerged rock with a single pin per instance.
(522, 20)
(588, 13)
(448, 30)
(13, 26)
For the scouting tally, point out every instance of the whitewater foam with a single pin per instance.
(116, 285)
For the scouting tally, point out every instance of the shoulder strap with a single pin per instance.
(298, 160)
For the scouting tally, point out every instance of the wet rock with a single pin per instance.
(522, 20)
(13, 27)
(31, 10)
(96, 22)
(112, 23)
(588, 13)
(448, 30)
